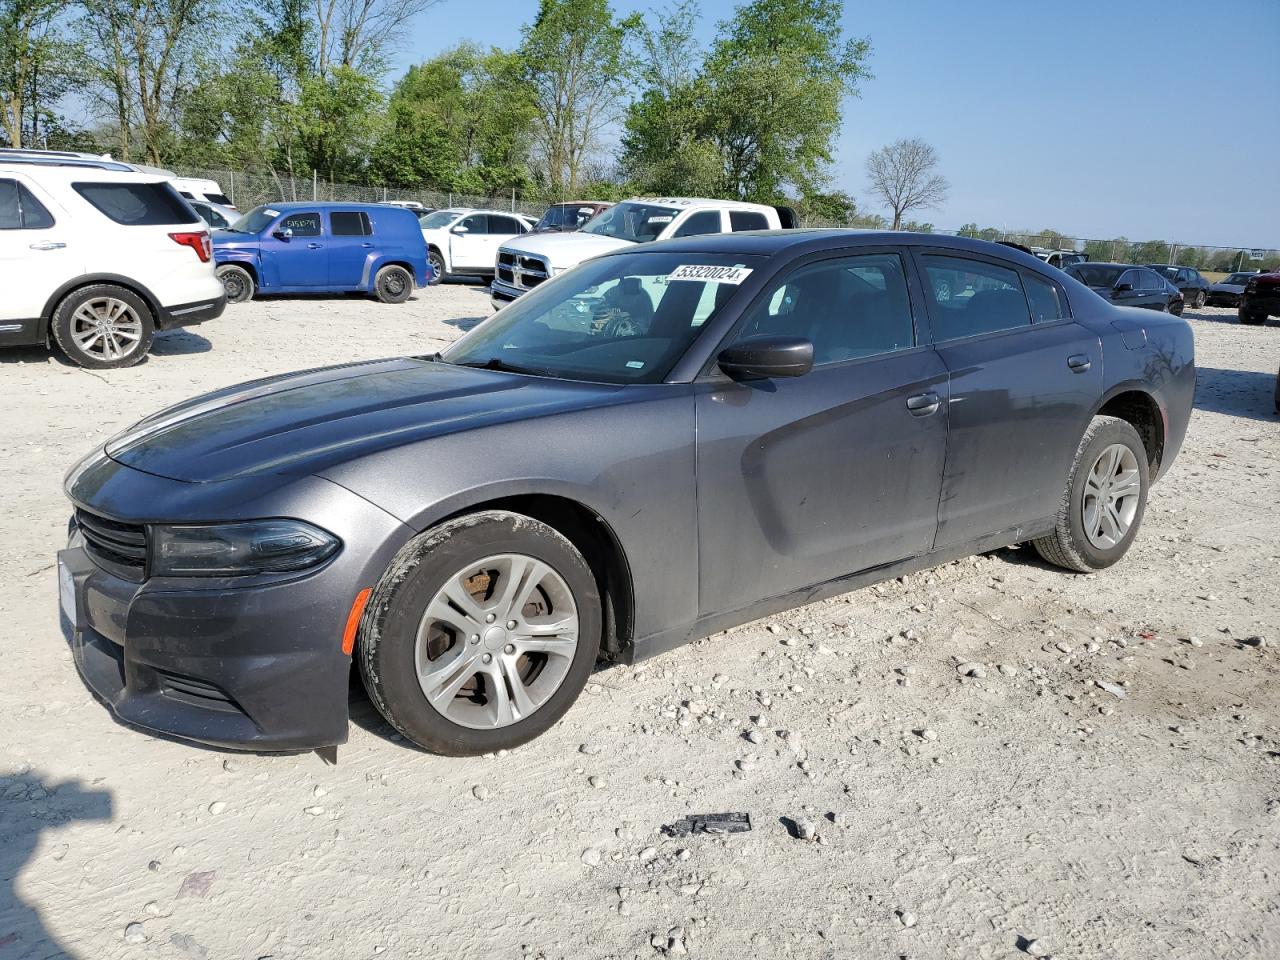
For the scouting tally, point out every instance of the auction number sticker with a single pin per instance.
(710, 274)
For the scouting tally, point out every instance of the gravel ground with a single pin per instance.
(1105, 783)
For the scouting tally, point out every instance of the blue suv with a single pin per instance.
(322, 248)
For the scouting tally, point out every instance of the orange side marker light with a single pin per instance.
(353, 620)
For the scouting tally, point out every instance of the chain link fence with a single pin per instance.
(247, 189)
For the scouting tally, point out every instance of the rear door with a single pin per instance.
(350, 246)
(1021, 392)
(294, 252)
(808, 479)
(37, 253)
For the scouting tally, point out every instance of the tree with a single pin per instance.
(834, 208)
(356, 33)
(578, 69)
(902, 176)
(37, 67)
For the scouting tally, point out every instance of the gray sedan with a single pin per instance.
(650, 448)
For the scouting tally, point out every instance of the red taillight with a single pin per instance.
(199, 242)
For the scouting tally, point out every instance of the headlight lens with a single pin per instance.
(238, 549)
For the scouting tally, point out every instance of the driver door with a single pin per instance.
(300, 258)
(808, 479)
(469, 244)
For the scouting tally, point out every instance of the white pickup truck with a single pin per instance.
(526, 261)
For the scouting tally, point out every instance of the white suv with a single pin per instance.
(525, 262)
(465, 241)
(96, 257)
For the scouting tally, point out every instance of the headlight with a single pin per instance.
(238, 549)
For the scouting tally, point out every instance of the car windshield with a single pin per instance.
(1169, 273)
(619, 319)
(1238, 279)
(437, 220)
(255, 221)
(1096, 275)
(636, 222)
(565, 216)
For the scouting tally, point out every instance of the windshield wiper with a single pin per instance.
(497, 363)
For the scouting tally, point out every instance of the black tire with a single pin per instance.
(1251, 319)
(437, 266)
(237, 282)
(70, 328)
(389, 628)
(393, 284)
(1069, 546)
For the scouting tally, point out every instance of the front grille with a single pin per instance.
(531, 271)
(120, 548)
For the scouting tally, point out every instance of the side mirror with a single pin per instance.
(1123, 288)
(460, 230)
(767, 357)
(285, 234)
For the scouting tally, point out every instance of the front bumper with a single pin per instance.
(502, 293)
(1268, 303)
(189, 314)
(1222, 298)
(251, 665)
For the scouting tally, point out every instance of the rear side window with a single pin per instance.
(211, 216)
(302, 224)
(138, 204)
(972, 297)
(20, 210)
(747, 220)
(219, 198)
(702, 222)
(1047, 302)
(503, 225)
(349, 223)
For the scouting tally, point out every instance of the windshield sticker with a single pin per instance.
(635, 364)
(659, 220)
(710, 274)
(271, 213)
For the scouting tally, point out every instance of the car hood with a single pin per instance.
(301, 423)
(1227, 287)
(564, 250)
(226, 240)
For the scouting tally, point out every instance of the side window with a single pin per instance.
(1149, 280)
(366, 223)
(1130, 277)
(477, 223)
(302, 224)
(347, 223)
(747, 220)
(215, 219)
(849, 308)
(1047, 302)
(972, 297)
(20, 210)
(702, 222)
(503, 225)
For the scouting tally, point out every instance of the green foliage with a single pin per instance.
(39, 65)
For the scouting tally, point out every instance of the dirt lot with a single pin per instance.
(1028, 810)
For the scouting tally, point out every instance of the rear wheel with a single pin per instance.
(481, 634)
(436, 263)
(237, 282)
(103, 326)
(393, 284)
(1199, 300)
(1104, 501)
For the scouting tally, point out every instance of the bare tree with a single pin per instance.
(902, 176)
(35, 67)
(352, 30)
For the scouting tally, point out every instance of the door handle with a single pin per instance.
(1079, 363)
(48, 245)
(314, 246)
(923, 404)
(366, 244)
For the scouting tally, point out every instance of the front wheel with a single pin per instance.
(1104, 501)
(436, 262)
(237, 282)
(103, 326)
(393, 284)
(481, 634)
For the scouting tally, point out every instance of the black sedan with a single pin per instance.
(651, 447)
(1193, 286)
(1227, 291)
(1129, 286)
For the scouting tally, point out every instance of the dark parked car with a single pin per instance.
(1261, 298)
(1193, 286)
(1129, 286)
(651, 447)
(562, 217)
(1226, 292)
(322, 248)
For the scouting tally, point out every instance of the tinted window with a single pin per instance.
(138, 204)
(302, 224)
(503, 224)
(972, 297)
(209, 215)
(702, 222)
(637, 222)
(1046, 300)
(1149, 280)
(747, 220)
(348, 223)
(1096, 275)
(219, 198)
(1130, 277)
(20, 210)
(476, 223)
(851, 307)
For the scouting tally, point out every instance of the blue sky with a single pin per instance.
(1152, 120)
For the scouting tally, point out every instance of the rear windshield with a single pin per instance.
(1096, 275)
(138, 204)
(218, 198)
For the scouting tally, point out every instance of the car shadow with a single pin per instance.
(30, 806)
(1231, 319)
(176, 343)
(1241, 393)
(24, 355)
(464, 323)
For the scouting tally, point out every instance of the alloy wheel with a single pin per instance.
(1112, 490)
(106, 328)
(496, 641)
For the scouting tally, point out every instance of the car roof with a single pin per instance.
(288, 206)
(103, 171)
(691, 203)
(768, 243)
